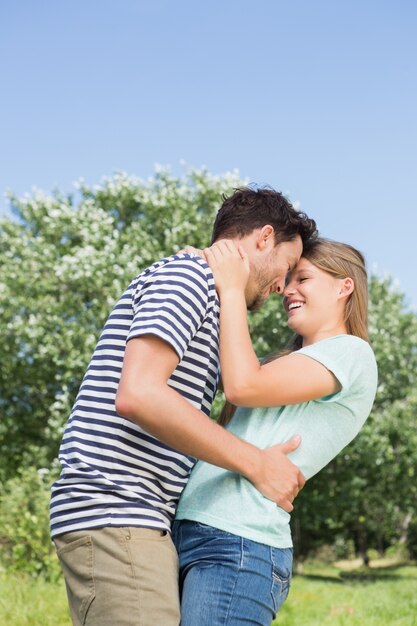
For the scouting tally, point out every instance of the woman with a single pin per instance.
(235, 545)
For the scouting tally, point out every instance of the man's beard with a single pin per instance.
(256, 303)
(261, 294)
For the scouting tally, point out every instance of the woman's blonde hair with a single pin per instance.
(341, 261)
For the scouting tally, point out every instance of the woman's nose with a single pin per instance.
(288, 289)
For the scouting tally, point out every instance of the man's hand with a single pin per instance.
(277, 478)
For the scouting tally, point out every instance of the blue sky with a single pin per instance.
(316, 98)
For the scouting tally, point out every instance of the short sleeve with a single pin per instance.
(171, 303)
(349, 358)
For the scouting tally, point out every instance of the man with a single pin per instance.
(141, 418)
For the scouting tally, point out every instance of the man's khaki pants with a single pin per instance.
(120, 577)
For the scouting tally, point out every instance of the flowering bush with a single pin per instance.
(25, 545)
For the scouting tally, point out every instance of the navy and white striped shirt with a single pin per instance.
(113, 472)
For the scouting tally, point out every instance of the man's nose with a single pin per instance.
(279, 287)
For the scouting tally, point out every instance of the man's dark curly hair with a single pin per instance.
(250, 208)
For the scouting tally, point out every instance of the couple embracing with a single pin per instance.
(163, 516)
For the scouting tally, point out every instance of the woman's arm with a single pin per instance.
(288, 380)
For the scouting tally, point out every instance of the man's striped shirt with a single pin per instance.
(113, 472)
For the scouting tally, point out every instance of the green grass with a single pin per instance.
(383, 595)
(26, 601)
(324, 595)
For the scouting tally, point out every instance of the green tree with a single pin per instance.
(65, 260)
(63, 264)
(368, 493)
(25, 545)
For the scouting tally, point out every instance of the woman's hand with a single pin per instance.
(229, 264)
(192, 250)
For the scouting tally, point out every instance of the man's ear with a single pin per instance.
(347, 287)
(265, 237)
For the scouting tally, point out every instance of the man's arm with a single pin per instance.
(145, 397)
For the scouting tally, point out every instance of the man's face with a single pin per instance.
(268, 271)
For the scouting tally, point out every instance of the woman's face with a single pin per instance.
(312, 300)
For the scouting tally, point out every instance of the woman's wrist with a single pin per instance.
(232, 294)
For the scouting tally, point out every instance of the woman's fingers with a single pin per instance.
(227, 247)
(230, 246)
(244, 257)
(214, 255)
(192, 250)
(223, 249)
(230, 266)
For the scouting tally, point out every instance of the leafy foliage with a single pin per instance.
(368, 492)
(25, 545)
(65, 260)
(62, 267)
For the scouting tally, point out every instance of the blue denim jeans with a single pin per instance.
(226, 580)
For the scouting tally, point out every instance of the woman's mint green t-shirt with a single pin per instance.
(228, 501)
